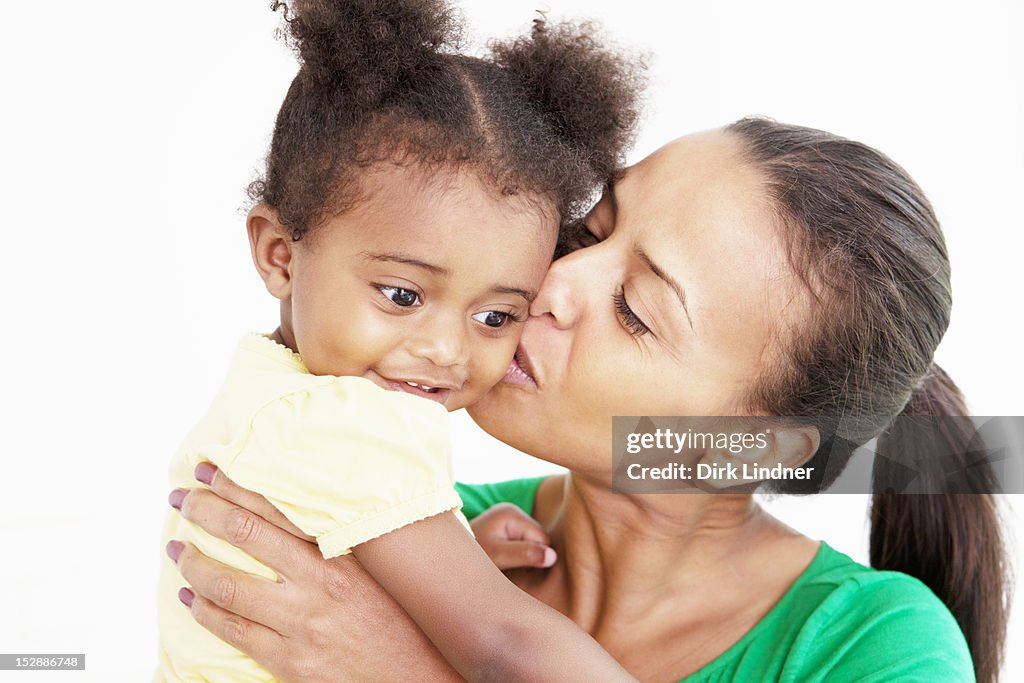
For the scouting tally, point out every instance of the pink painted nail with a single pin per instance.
(174, 549)
(186, 596)
(177, 495)
(204, 472)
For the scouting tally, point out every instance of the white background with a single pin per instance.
(130, 130)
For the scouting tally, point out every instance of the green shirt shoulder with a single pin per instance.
(478, 497)
(840, 621)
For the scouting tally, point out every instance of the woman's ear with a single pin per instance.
(792, 446)
(271, 245)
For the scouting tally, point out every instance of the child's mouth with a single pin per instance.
(438, 394)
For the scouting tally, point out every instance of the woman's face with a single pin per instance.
(670, 310)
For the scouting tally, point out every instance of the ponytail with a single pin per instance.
(952, 542)
(864, 240)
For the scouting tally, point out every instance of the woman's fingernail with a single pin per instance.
(204, 472)
(174, 549)
(549, 557)
(177, 495)
(186, 596)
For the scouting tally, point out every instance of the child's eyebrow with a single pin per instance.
(525, 293)
(399, 258)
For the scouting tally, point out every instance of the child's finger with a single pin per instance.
(516, 554)
(520, 527)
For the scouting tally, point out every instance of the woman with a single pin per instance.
(760, 269)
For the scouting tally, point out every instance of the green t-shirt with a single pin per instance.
(840, 621)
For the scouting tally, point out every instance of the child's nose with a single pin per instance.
(443, 342)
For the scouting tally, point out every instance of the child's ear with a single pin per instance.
(271, 245)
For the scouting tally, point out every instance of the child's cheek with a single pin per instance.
(489, 366)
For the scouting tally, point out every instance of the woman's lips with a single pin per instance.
(519, 369)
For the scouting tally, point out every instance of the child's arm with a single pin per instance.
(483, 624)
(327, 459)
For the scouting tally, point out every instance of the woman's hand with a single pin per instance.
(321, 618)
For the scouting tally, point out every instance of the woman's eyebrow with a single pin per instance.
(657, 270)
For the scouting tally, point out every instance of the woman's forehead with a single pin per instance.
(702, 209)
(700, 167)
(698, 189)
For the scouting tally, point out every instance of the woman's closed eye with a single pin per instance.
(633, 324)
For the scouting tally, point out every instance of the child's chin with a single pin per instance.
(460, 400)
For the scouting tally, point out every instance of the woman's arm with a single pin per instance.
(485, 625)
(320, 618)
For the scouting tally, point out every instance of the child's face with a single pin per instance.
(426, 281)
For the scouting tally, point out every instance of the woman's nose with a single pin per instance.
(564, 290)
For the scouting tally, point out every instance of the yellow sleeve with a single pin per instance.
(347, 461)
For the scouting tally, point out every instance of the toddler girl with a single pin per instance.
(409, 210)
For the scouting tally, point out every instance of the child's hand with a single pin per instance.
(513, 539)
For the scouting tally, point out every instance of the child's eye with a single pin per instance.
(494, 318)
(400, 296)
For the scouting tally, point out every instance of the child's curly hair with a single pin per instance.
(550, 114)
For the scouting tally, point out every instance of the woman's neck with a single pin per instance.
(625, 553)
(690, 560)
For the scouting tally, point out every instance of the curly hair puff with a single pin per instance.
(549, 114)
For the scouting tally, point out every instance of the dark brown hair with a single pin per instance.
(866, 242)
(549, 115)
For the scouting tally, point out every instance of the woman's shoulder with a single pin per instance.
(478, 497)
(866, 624)
(838, 585)
(842, 621)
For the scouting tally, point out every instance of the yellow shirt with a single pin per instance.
(343, 459)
